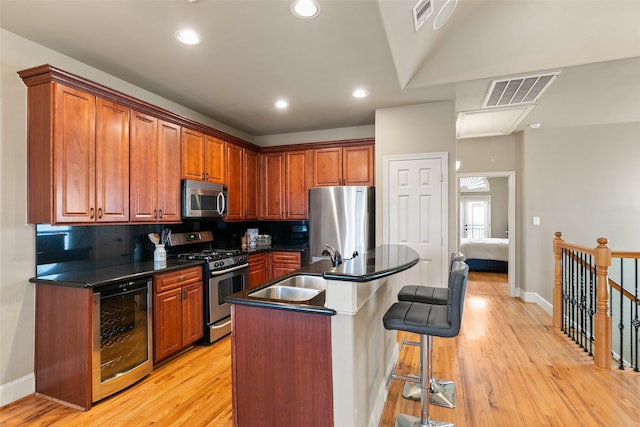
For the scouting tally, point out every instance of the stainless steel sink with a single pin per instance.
(304, 281)
(301, 287)
(286, 293)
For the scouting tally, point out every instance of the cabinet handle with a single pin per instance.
(155, 213)
(206, 176)
(185, 293)
(99, 212)
(181, 279)
(160, 213)
(92, 213)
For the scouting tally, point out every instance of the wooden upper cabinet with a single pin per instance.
(272, 176)
(343, 166)
(202, 157)
(357, 165)
(192, 155)
(155, 177)
(169, 190)
(112, 162)
(284, 185)
(74, 157)
(214, 159)
(144, 167)
(296, 184)
(78, 157)
(327, 166)
(234, 180)
(250, 184)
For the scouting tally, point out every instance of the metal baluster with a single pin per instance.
(620, 323)
(592, 302)
(636, 323)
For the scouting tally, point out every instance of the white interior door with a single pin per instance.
(415, 204)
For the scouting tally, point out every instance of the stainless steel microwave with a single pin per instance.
(203, 199)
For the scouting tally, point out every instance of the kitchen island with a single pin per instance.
(322, 361)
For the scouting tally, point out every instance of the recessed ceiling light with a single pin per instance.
(360, 93)
(305, 9)
(534, 125)
(187, 37)
(282, 104)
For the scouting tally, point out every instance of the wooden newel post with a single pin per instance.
(602, 327)
(557, 284)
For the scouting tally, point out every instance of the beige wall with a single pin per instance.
(425, 128)
(582, 181)
(356, 132)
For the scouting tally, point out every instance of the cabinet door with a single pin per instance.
(214, 159)
(192, 313)
(358, 165)
(251, 189)
(144, 167)
(192, 154)
(296, 186)
(168, 173)
(234, 181)
(327, 167)
(257, 269)
(272, 177)
(283, 263)
(74, 156)
(167, 324)
(112, 162)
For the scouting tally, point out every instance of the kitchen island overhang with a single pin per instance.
(345, 326)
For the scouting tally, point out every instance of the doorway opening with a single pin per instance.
(487, 222)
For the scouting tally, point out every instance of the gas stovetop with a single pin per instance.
(210, 254)
(191, 246)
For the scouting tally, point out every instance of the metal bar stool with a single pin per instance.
(441, 392)
(429, 320)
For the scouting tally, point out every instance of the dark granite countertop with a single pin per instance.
(377, 263)
(95, 277)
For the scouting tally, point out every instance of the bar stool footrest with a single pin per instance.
(404, 420)
(442, 393)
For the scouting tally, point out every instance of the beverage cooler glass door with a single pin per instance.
(122, 336)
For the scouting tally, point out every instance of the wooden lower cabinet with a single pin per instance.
(178, 313)
(281, 368)
(257, 269)
(282, 263)
(63, 337)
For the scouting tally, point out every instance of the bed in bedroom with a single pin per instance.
(488, 255)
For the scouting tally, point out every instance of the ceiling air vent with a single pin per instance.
(518, 90)
(421, 12)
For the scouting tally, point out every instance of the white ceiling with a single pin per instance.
(254, 52)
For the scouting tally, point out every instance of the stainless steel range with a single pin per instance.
(228, 273)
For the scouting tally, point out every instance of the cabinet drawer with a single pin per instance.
(257, 259)
(285, 257)
(167, 281)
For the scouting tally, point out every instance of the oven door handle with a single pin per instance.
(228, 270)
(224, 325)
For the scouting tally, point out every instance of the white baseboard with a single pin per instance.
(534, 297)
(17, 389)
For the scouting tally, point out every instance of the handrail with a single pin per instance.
(585, 299)
(601, 319)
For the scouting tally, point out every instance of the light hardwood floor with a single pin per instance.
(510, 367)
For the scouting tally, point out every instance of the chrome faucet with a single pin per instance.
(334, 254)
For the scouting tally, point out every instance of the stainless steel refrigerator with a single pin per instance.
(342, 217)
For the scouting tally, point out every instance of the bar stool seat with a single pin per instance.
(429, 320)
(442, 392)
(430, 294)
